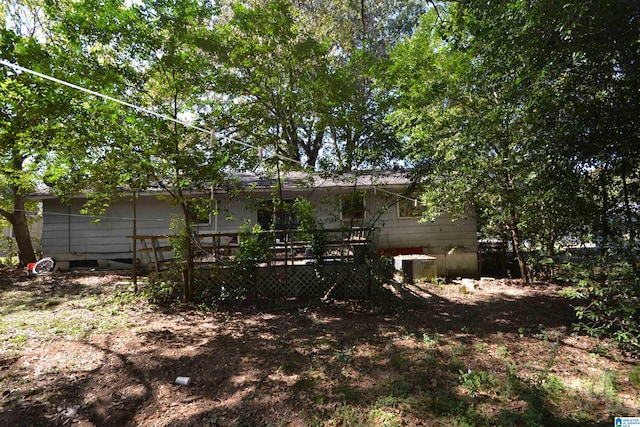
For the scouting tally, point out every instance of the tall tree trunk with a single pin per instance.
(18, 220)
(504, 246)
(515, 237)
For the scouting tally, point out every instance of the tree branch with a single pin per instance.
(8, 215)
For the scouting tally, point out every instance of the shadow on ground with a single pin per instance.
(413, 357)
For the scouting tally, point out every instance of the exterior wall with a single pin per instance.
(67, 235)
(453, 243)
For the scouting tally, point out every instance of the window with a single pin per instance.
(410, 208)
(200, 211)
(279, 218)
(352, 206)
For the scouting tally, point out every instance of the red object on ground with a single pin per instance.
(43, 266)
(400, 251)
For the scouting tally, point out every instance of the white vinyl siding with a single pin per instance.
(74, 236)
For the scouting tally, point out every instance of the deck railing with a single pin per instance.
(280, 247)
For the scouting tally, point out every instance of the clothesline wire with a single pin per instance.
(100, 217)
(169, 118)
(135, 107)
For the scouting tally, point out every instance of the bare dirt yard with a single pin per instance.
(81, 349)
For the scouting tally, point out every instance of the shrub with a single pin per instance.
(609, 299)
(163, 288)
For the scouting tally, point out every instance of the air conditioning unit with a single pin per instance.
(416, 268)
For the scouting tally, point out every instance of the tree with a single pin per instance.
(524, 110)
(29, 113)
(463, 109)
(299, 89)
(598, 96)
(360, 35)
(146, 54)
(47, 128)
(275, 78)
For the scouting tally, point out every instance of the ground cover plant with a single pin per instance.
(82, 349)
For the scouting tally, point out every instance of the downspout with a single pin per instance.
(214, 204)
(134, 261)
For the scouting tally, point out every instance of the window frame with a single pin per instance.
(197, 218)
(359, 194)
(411, 205)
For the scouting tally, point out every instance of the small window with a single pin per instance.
(410, 208)
(352, 206)
(200, 211)
(277, 216)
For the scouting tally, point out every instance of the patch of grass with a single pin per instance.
(584, 401)
(503, 352)
(343, 415)
(634, 376)
(402, 388)
(451, 409)
(460, 350)
(18, 339)
(37, 314)
(344, 356)
(351, 415)
(477, 381)
(306, 382)
(347, 392)
(554, 388)
(399, 362)
(15, 343)
(384, 418)
(431, 340)
(604, 386)
(123, 298)
(481, 347)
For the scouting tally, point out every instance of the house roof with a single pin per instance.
(297, 179)
(291, 180)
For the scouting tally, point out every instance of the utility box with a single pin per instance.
(416, 268)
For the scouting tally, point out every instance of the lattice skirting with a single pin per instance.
(339, 281)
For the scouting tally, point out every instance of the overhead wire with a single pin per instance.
(99, 217)
(210, 132)
(135, 107)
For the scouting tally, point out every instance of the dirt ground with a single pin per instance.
(473, 353)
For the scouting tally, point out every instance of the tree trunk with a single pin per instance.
(515, 237)
(519, 256)
(188, 255)
(190, 265)
(134, 259)
(18, 220)
(504, 245)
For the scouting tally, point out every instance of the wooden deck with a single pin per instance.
(345, 246)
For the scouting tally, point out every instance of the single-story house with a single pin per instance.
(377, 199)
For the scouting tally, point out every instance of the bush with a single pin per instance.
(609, 299)
(163, 288)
